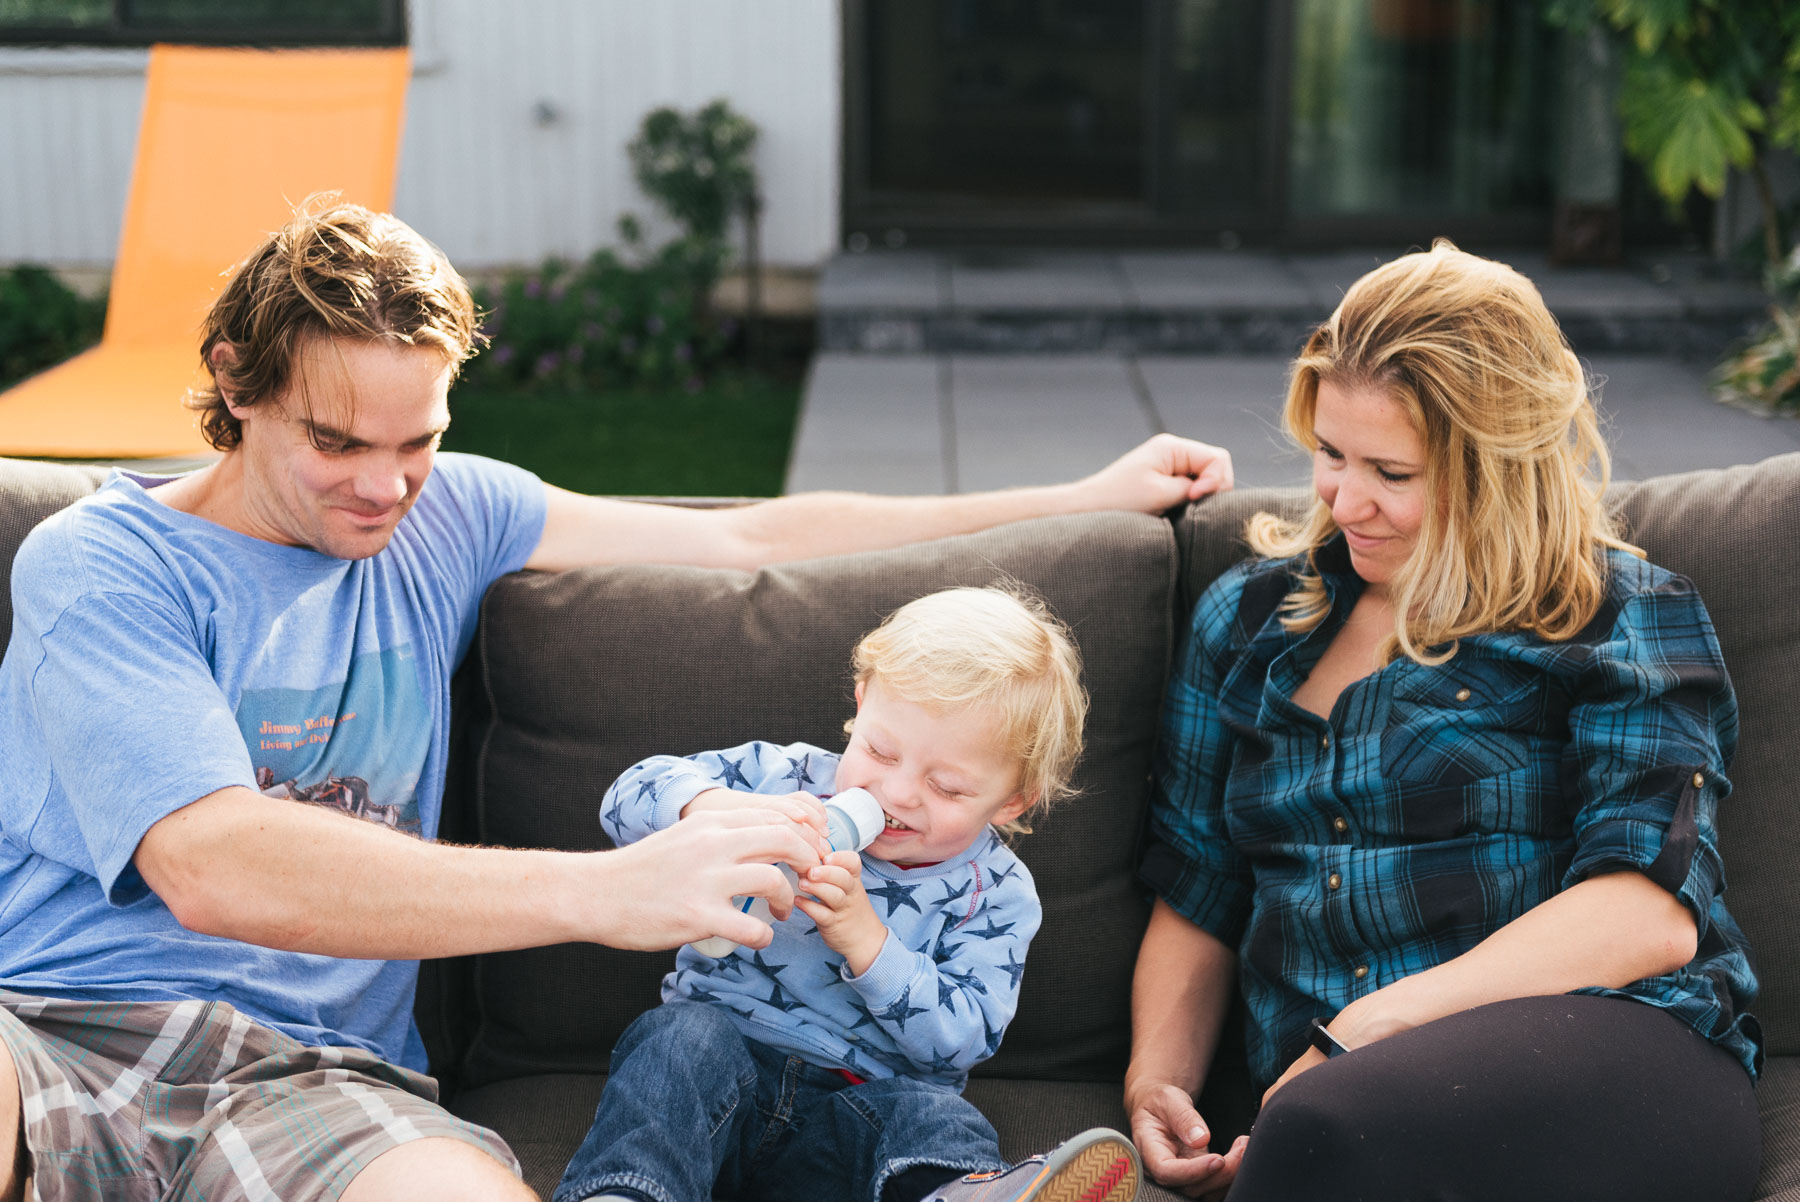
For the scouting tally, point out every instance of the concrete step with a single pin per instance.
(1230, 302)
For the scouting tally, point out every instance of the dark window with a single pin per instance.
(203, 22)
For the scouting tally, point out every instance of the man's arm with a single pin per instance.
(286, 875)
(578, 530)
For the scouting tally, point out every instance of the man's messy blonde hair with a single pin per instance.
(999, 648)
(333, 271)
(1515, 533)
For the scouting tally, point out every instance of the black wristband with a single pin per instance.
(1322, 1039)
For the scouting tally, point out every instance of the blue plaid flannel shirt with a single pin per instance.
(1439, 803)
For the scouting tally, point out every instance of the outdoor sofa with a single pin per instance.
(577, 675)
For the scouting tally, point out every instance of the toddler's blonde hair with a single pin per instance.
(999, 648)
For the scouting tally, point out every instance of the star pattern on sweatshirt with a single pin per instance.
(733, 770)
(968, 980)
(993, 930)
(941, 1064)
(953, 895)
(901, 1010)
(1014, 967)
(800, 770)
(613, 815)
(896, 896)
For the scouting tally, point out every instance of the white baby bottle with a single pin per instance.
(852, 820)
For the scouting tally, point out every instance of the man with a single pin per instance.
(205, 987)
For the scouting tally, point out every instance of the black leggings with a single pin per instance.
(1574, 1096)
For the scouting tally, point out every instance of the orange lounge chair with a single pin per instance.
(231, 141)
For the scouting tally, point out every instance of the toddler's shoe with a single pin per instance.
(1096, 1166)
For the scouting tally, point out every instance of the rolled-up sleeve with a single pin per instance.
(1652, 731)
(1191, 862)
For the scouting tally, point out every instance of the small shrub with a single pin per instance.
(610, 322)
(42, 322)
(699, 167)
(636, 316)
(1765, 372)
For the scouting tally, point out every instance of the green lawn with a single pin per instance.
(729, 439)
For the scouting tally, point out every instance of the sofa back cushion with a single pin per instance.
(29, 493)
(584, 673)
(1736, 534)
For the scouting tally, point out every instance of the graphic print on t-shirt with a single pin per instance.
(357, 746)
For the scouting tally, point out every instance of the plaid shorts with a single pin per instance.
(191, 1100)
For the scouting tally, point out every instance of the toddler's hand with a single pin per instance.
(842, 911)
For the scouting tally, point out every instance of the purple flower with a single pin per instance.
(576, 353)
(558, 290)
(534, 288)
(591, 298)
(683, 353)
(654, 325)
(503, 355)
(547, 363)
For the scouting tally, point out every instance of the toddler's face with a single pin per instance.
(941, 776)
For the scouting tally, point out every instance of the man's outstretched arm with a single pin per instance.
(1158, 475)
(301, 878)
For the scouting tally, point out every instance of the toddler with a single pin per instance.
(830, 1064)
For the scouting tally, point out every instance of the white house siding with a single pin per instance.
(516, 125)
(68, 127)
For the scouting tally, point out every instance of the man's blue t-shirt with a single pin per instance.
(157, 657)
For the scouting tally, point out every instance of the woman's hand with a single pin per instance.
(1174, 1142)
(1312, 1059)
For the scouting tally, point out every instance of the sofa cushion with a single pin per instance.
(586, 672)
(29, 493)
(1733, 533)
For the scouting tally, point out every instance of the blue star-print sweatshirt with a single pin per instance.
(938, 996)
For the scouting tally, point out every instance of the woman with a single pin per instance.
(1438, 780)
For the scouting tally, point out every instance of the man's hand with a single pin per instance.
(841, 908)
(1157, 475)
(1176, 1144)
(803, 809)
(677, 885)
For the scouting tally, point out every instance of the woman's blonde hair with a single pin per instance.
(999, 648)
(333, 271)
(1514, 533)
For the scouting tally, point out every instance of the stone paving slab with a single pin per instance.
(1245, 301)
(1658, 418)
(872, 424)
(893, 280)
(1038, 419)
(941, 423)
(1216, 279)
(1036, 280)
(1234, 401)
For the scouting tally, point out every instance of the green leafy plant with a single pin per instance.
(1765, 372)
(698, 166)
(42, 322)
(636, 315)
(1708, 85)
(616, 320)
